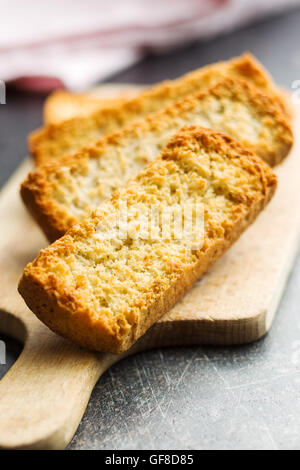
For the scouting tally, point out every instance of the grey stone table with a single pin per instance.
(196, 397)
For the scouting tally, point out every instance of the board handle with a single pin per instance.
(45, 393)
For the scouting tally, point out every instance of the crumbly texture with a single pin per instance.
(56, 140)
(62, 105)
(67, 190)
(105, 292)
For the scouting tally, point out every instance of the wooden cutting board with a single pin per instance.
(45, 393)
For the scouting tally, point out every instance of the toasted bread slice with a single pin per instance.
(104, 287)
(67, 190)
(62, 105)
(56, 140)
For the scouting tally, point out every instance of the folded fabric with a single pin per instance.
(74, 44)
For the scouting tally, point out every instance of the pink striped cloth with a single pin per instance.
(45, 44)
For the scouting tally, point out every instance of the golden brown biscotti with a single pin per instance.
(62, 105)
(103, 285)
(56, 140)
(67, 190)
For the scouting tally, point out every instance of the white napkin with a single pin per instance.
(74, 43)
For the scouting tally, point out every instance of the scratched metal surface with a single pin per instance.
(228, 398)
(245, 397)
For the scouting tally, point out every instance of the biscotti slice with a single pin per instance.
(62, 105)
(73, 134)
(67, 190)
(107, 281)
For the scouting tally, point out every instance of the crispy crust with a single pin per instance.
(62, 105)
(50, 295)
(50, 217)
(55, 220)
(56, 140)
